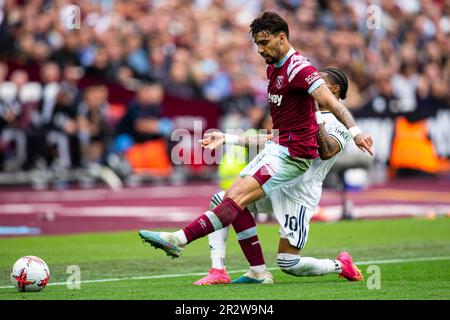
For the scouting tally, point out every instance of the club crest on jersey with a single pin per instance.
(279, 82)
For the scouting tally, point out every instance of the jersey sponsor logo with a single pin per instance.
(312, 77)
(275, 98)
(279, 82)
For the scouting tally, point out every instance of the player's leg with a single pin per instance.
(272, 168)
(290, 261)
(217, 274)
(294, 226)
(245, 227)
(268, 171)
(246, 190)
(293, 237)
(217, 240)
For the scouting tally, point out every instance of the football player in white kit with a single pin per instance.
(293, 206)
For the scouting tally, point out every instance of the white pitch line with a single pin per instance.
(162, 276)
(363, 263)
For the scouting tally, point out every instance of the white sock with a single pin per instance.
(217, 262)
(258, 269)
(307, 266)
(318, 267)
(217, 244)
(181, 236)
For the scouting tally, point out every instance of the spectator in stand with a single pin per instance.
(10, 124)
(19, 77)
(136, 57)
(62, 134)
(115, 52)
(179, 81)
(3, 71)
(94, 130)
(159, 60)
(383, 101)
(50, 75)
(68, 53)
(240, 106)
(70, 81)
(432, 93)
(405, 84)
(142, 121)
(100, 66)
(12, 137)
(195, 48)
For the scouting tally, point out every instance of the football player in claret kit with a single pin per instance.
(293, 86)
(293, 206)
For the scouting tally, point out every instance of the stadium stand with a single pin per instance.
(201, 54)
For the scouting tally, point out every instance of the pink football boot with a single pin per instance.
(214, 276)
(349, 270)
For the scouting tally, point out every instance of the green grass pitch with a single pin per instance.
(413, 257)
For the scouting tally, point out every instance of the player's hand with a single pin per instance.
(212, 140)
(364, 142)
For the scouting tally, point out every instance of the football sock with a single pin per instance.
(181, 236)
(217, 262)
(210, 221)
(258, 269)
(306, 266)
(245, 227)
(217, 244)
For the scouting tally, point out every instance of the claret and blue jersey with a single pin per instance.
(290, 83)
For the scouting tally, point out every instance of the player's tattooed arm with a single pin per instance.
(325, 98)
(328, 146)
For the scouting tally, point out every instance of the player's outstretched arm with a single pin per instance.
(325, 98)
(214, 139)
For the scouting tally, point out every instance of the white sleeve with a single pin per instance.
(341, 134)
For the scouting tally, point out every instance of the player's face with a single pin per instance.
(334, 88)
(269, 46)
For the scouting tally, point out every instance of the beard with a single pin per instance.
(269, 59)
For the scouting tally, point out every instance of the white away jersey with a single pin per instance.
(307, 189)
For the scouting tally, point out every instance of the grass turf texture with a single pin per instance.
(123, 255)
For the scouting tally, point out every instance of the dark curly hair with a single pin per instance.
(270, 22)
(338, 77)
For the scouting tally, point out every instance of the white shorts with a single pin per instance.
(293, 217)
(273, 167)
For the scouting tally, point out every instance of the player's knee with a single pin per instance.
(216, 199)
(288, 263)
(237, 194)
(234, 193)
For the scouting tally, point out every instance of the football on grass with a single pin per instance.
(30, 273)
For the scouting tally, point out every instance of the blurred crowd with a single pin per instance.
(396, 50)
